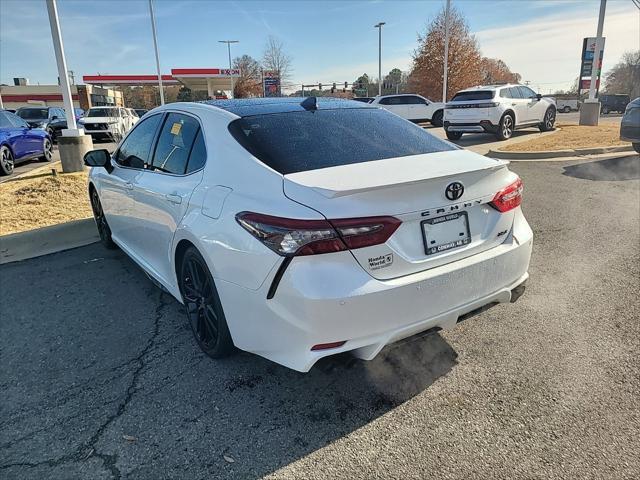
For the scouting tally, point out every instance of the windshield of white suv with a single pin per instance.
(299, 141)
(102, 112)
(478, 95)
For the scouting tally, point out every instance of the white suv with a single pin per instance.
(412, 107)
(106, 123)
(497, 109)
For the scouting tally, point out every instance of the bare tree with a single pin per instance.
(250, 82)
(624, 77)
(275, 59)
(428, 59)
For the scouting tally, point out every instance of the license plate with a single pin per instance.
(444, 233)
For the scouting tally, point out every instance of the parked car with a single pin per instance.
(106, 123)
(630, 124)
(79, 113)
(412, 107)
(131, 117)
(140, 111)
(613, 103)
(41, 117)
(498, 109)
(566, 105)
(20, 142)
(356, 238)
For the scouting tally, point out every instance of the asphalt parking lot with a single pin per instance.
(101, 378)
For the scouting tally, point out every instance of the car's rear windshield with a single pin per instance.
(299, 141)
(102, 112)
(478, 95)
(33, 113)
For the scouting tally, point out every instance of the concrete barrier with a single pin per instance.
(46, 240)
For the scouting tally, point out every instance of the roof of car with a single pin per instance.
(245, 107)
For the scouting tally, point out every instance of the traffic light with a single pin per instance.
(320, 86)
(346, 84)
(333, 88)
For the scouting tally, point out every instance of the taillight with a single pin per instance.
(509, 197)
(289, 237)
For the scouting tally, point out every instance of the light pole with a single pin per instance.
(446, 52)
(590, 109)
(155, 47)
(229, 42)
(379, 27)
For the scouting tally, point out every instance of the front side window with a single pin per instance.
(299, 141)
(514, 92)
(174, 143)
(136, 149)
(526, 92)
(413, 100)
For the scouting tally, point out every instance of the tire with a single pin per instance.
(436, 120)
(548, 121)
(454, 135)
(47, 150)
(101, 221)
(605, 110)
(6, 161)
(566, 109)
(505, 127)
(636, 147)
(204, 309)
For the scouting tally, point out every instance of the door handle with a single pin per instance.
(513, 104)
(128, 186)
(177, 199)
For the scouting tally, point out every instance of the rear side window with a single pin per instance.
(4, 121)
(412, 100)
(476, 95)
(198, 156)
(174, 143)
(135, 150)
(299, 141)
(393, 101)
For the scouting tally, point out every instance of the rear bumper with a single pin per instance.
(471, 127)
(336, 300)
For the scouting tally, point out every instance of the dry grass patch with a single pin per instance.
(572, 136)
(41, 200)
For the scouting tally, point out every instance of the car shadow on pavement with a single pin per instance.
(610, 169)
(101, 374)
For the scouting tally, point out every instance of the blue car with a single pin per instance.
(20, 142)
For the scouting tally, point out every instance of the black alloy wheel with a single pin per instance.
(454, 135)
(101, 222)
(203, 306)
(436, 120)
(505, 128)
(47, 150)
(548, 121)
(6, 161)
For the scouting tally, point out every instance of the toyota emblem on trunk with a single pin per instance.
(454, 190)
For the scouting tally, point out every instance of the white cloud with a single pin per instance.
(546, 51)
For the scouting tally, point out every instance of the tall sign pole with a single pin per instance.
(590, 109)
(446, 52)
(229, 42)
(379, 27)
(595, 70)
(61, 61)
(155, 47)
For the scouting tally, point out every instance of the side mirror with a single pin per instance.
(55, 117)
(98, 158)
(539, 96)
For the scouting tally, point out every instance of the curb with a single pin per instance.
(43, 241)
(577, 152)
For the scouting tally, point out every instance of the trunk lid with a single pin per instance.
(412, 189)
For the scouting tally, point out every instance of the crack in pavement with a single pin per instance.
(88, 450)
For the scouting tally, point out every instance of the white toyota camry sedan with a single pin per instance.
(300, 228)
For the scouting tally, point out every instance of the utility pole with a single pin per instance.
(446, 52)
(590, 111)
(229, 42)
(379, 27)
(73, 143)
(155, 47)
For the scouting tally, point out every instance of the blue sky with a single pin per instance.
(328, 40)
